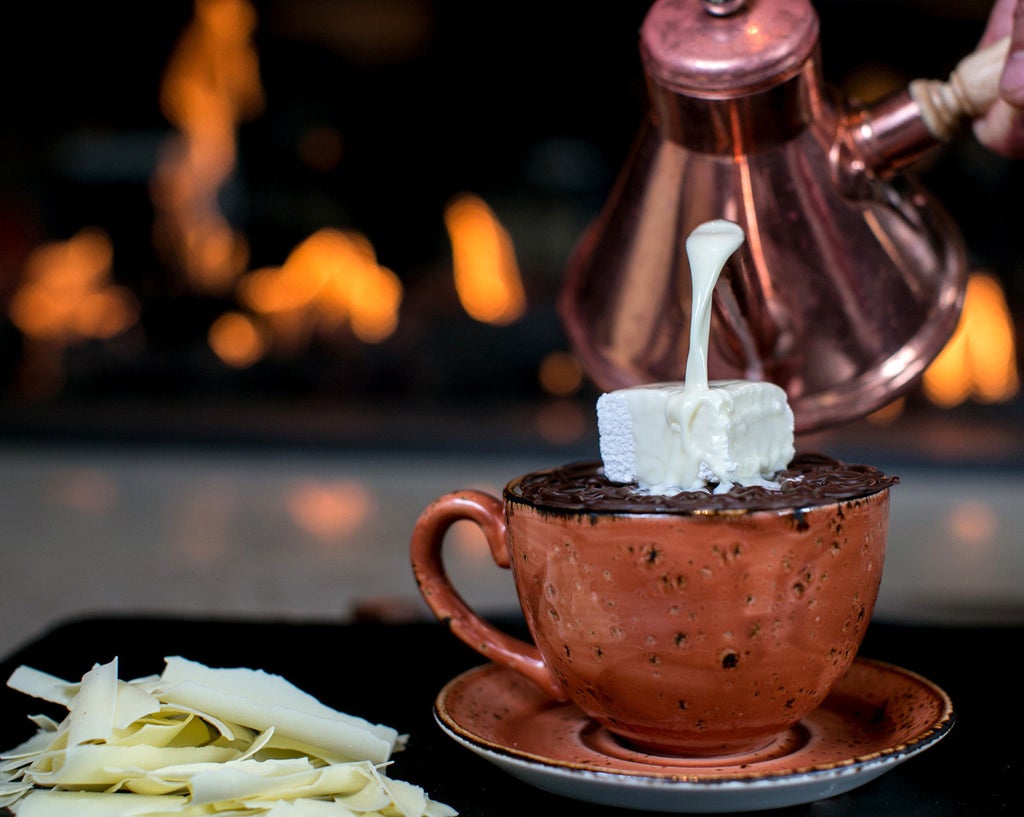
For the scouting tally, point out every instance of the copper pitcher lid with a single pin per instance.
(702, 47)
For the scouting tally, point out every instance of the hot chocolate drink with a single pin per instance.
(811, 479)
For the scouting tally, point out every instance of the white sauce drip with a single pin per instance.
(708, 248)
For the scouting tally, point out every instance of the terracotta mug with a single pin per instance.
(695, 633)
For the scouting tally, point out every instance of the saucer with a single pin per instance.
(877, 716)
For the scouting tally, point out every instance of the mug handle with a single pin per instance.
(446, 602)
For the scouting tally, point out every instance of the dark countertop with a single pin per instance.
(392, 672)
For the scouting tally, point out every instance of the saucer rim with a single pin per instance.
(684, 776)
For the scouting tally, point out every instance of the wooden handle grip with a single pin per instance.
(971, 89)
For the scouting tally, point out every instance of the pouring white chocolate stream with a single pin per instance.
(671, 437)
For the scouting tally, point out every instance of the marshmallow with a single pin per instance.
(667, 437)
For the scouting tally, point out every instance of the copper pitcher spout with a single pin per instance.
(852, 276)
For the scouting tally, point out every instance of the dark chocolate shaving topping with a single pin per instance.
(811, 479)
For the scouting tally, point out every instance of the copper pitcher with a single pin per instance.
(852, 277)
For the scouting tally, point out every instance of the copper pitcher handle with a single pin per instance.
(970, 91)
(446, 602)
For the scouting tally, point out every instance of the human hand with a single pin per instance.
(1001, 129)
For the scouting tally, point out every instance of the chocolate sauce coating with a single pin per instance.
(811, 479)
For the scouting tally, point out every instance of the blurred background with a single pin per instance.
(339, 226)
(347, 220)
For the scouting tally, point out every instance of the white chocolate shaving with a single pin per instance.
(57, 803)
(251, 694)
(92, 712)
(42, 685)
(200, 741)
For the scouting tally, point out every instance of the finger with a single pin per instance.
(1000, 21)
(1011, 84)
(1002, 130)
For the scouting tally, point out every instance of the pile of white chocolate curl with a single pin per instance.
(199, 741)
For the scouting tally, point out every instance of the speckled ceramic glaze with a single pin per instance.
(696, 634)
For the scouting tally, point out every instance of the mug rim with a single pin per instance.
(653, 508)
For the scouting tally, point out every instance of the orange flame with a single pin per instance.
(332, 278)
(237, 339)
(329, 280)
(560, 373)
(487, 277)
(210, 85)
(67, 296)
(979, 361)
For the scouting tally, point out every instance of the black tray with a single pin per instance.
(391, 673)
